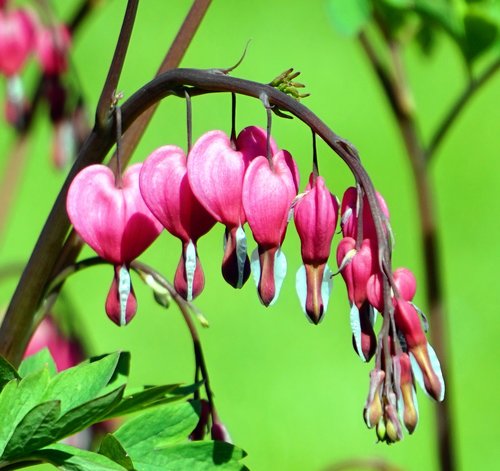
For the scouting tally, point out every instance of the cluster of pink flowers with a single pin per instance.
(412, 358)
(24, 35)
(252, 180)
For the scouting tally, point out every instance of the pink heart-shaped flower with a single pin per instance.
(166, 190)
(115, 222)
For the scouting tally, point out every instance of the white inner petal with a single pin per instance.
(241, 254)
(190, 264)
(124, 292)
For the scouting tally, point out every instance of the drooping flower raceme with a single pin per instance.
(117, 224)
(315, 216)
(269, 189)
(166, 190)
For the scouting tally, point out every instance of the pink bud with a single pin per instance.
(350, 211)
(357, 271)
(52, 48)
(65, 351)
(166, 190)
(268, 192)
(405, 282)
(424, 360)
(315, 216)
(406, 391)
(17, 36)
(252, 142)
(115, 222)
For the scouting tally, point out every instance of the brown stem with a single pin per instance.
(473, 86)
(184, 307)
(397, 94)
(107, 98)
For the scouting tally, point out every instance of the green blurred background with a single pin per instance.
(290, 393)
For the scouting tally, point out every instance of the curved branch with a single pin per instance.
(455, 110)
(15, 329)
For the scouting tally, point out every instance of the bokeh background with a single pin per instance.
(291, 393)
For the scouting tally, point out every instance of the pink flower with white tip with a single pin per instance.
(356, 266)
(424, 361)
(117, 224)
(166, 190)
(315, 216)
(216, 169)
(269, 189)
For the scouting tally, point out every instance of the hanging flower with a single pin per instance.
(166, 190)
(117, 224)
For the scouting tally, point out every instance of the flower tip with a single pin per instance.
(121, 303)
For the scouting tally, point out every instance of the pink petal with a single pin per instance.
(115, 222)
(315, 217)
(267, 197)
(252, 142)
(215, 172)
(165, 188)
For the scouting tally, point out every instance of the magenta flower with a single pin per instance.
(424, 361)
(17, 41)
(166, 190)
(65, 351)
(117, 224)
(349, 215)
(315, 216)
(356, 267)
(216, 168)
(268, 193)
(52, 48)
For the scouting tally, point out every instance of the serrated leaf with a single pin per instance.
(349, 16)
(17, 399)
(166, 424)
(83, 416)
(69, 458)
(38, 361)
(34, 430)
(7, 372)
(113, 449)
(82, 383)
(194, 456)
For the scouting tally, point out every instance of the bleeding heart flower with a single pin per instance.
(117, 224)
(407, 396)
(166, 190)
(356, 267)
(66, 351)
(268, 192)
(17, 40)
(315, 216)
(52, 48)
(349, 215)
(216, 168)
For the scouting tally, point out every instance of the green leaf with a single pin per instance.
(113, 449)
(7, 372)
(143, 399)
(162, 425)
(36, 362)
(82, 383)
(349, 16)
(481, 32)
(69, 458)
(34, 430)
(194, 456)
(17, 399)
(86, 414)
